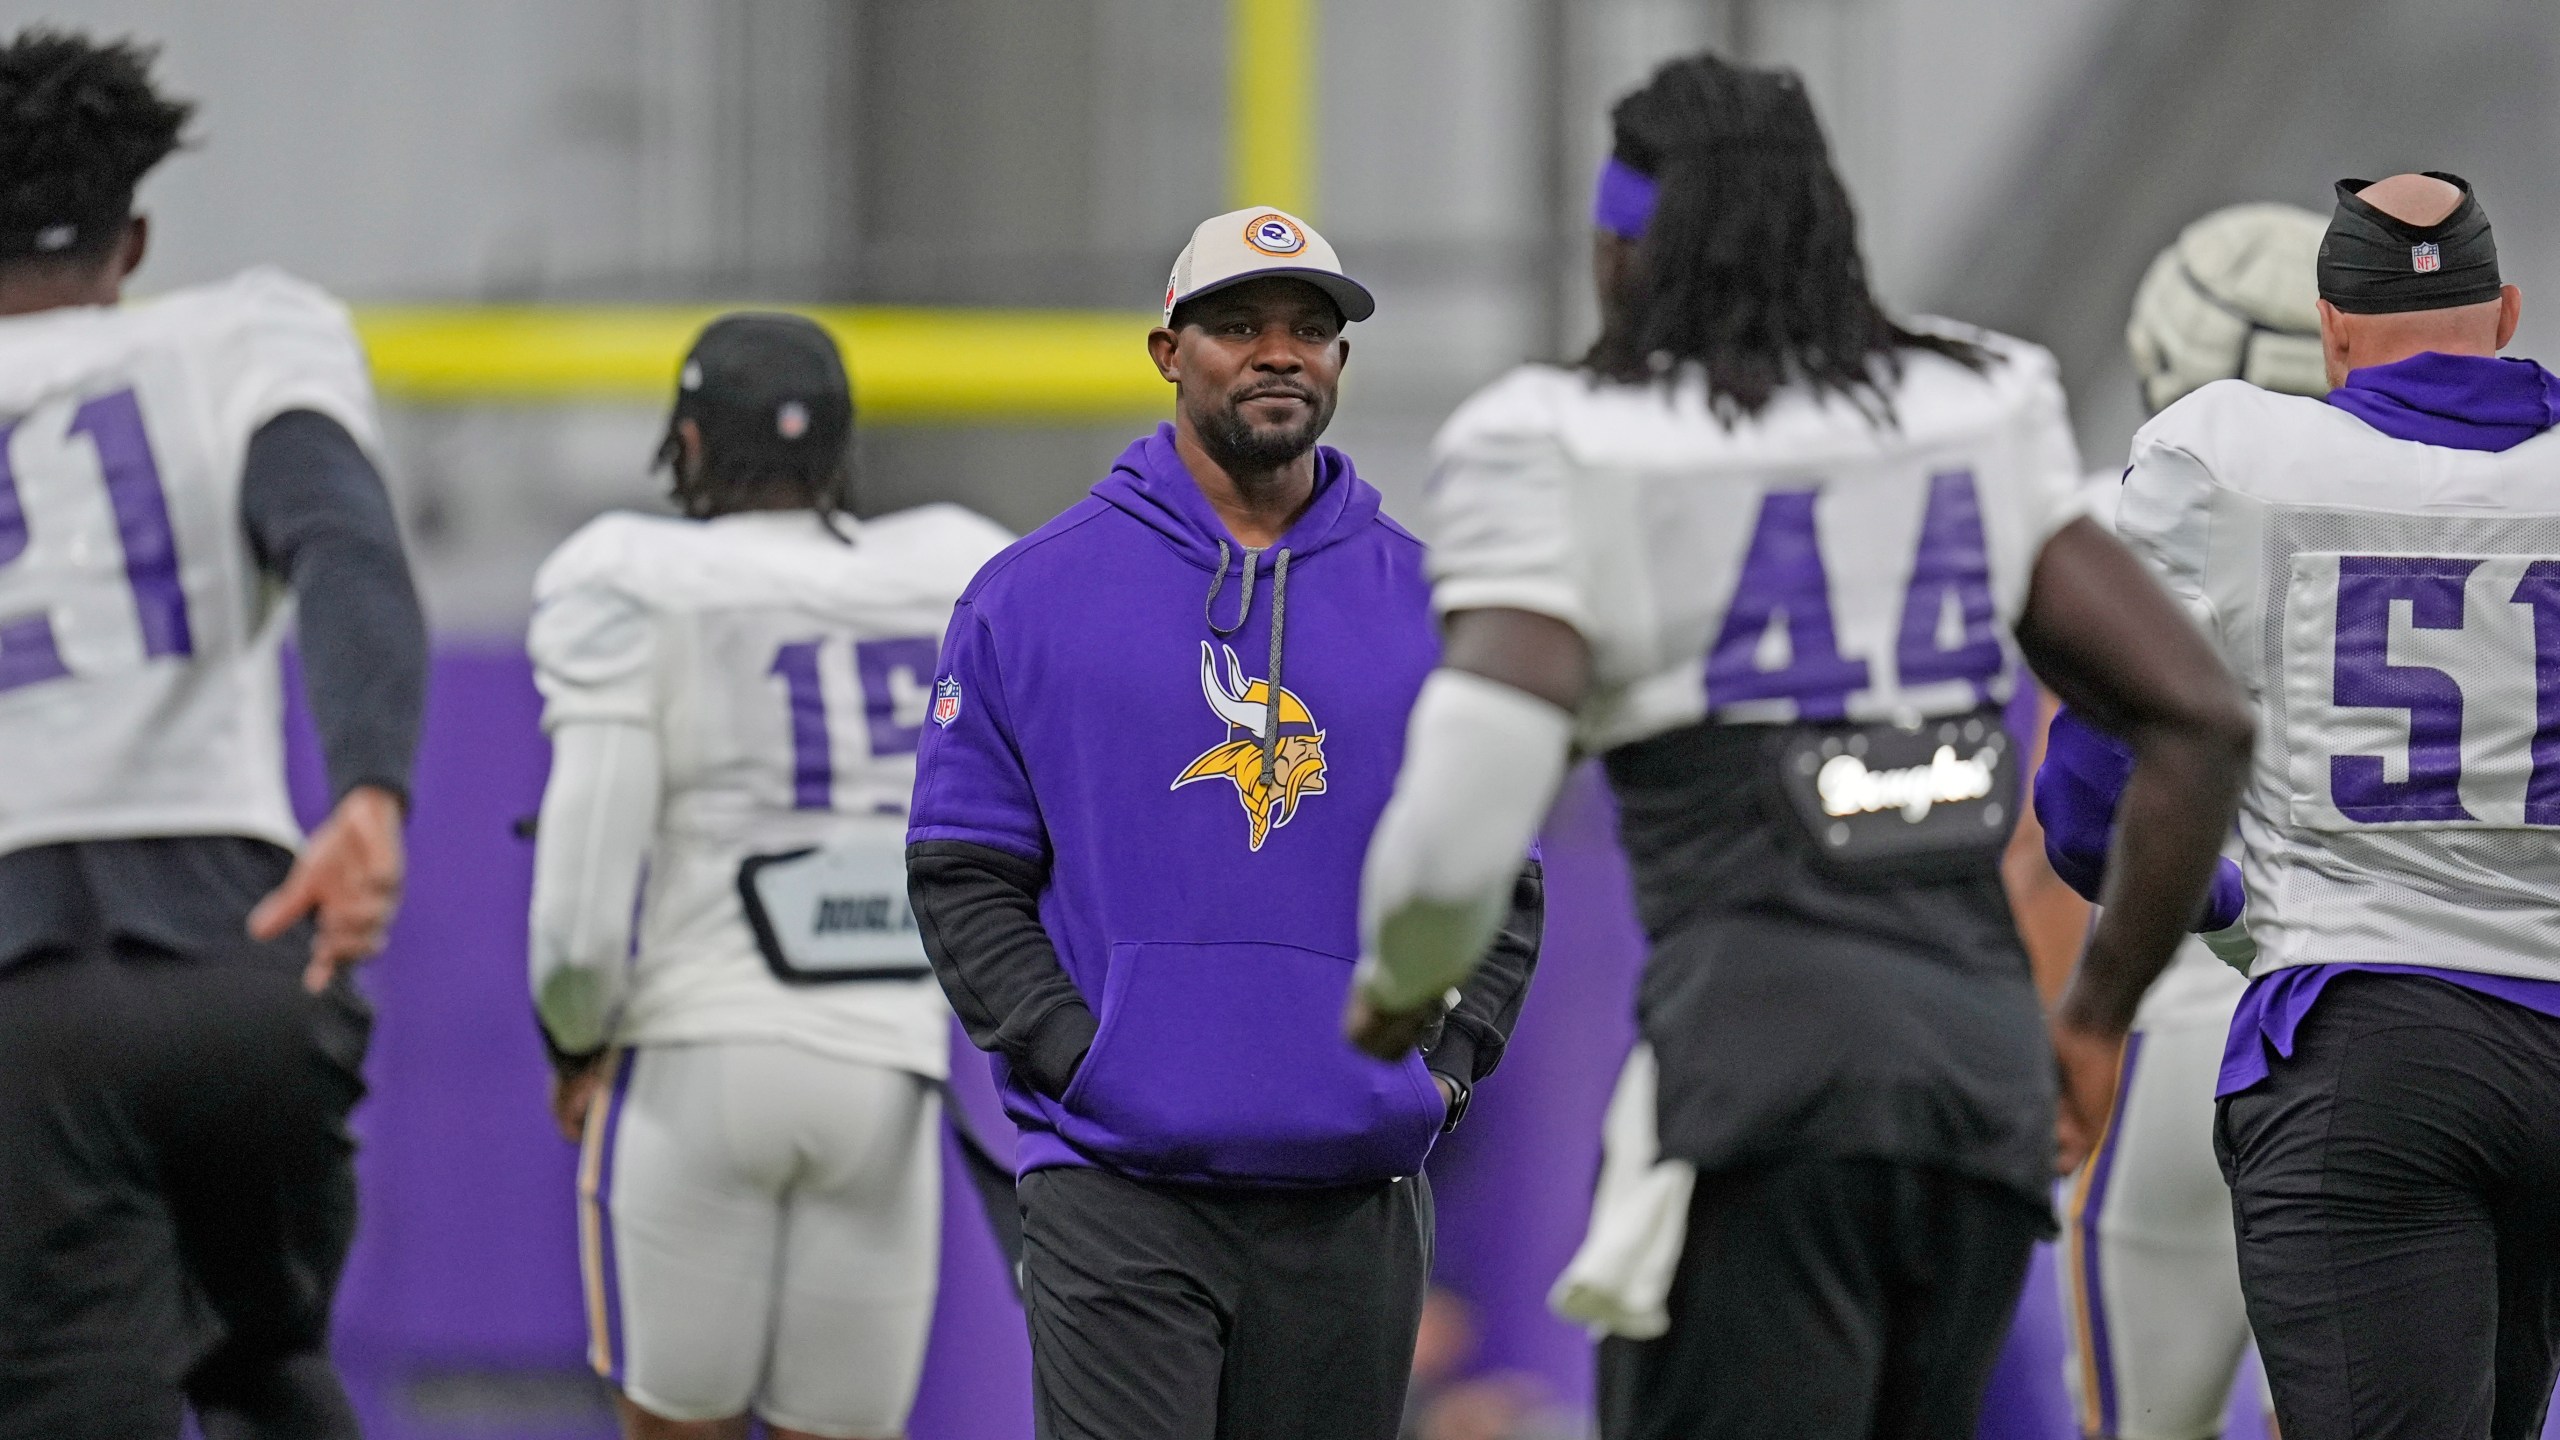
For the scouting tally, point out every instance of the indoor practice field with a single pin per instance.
(576, 284)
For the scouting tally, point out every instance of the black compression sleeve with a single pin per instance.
(1473, 1036)
(979, 910)
(319, 518)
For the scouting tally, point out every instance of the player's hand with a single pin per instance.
(2090, 1062)
(573, 1093)
(1382, 1034)
(2232, 945)
(348, 879)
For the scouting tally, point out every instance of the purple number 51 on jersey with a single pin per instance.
(2364, 677)
(2540, 591)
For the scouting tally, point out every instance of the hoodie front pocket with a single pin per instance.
(1226, 1062)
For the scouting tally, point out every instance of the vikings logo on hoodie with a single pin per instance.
(1269, 792)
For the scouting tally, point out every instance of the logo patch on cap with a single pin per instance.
(691, 379)
(2426, 259)
(946, 700)
(1275, 234)
(792, 420)
(56, 237)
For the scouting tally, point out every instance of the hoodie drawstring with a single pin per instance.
(1279, 624)
(1209, 607)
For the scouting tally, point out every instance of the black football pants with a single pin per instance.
(1829, 1300)
(177, 1194)
(1163, 1312)
(2396, 1188)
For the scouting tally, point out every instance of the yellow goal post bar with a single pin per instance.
(917, 366)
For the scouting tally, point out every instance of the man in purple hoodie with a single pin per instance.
(1164, 726)
(2383, 570)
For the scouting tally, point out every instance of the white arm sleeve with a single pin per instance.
(594, 657)
(1499, 521)
(599, 810)
(2165, 516)
(290, 346)
(1482, 763)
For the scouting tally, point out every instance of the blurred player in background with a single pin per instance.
(2151, 1276)
(1765, 550)
(2379, 570)
(734, 699)
(179, 1045)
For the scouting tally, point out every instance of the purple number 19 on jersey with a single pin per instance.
(113, 425)
(878, 663)
(813, 771)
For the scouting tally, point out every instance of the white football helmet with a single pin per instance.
(2235, 296)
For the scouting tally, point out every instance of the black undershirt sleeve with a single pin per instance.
(979, 911)
(319, 519)
(1477, 1029)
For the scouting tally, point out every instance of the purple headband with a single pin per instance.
(1624, 204)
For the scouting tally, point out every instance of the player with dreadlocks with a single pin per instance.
(179, 1043)
(1775, 556)
(734, 700)
(1711, 293)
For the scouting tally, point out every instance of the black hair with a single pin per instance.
(718, 487)
(1749, 268)
(81, 123)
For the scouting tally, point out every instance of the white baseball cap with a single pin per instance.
(1247, 244)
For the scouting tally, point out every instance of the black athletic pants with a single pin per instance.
(2396, 1188)
(1163, 1312)
(176, 1194)
(1828, 1300)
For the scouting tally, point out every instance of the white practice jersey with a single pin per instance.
(139, 692)
(2198, 988)
(786, 677)
(2394, 609)
(1805, 563)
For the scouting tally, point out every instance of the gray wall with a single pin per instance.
(2015, 161)
(484, 148)
(2187, 105)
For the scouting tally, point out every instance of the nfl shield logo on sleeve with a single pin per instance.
(2426, 259)
(946, 700)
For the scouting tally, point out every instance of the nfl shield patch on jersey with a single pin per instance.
(946, 700)
(2426, 259)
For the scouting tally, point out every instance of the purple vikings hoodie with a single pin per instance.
(1104, 713)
